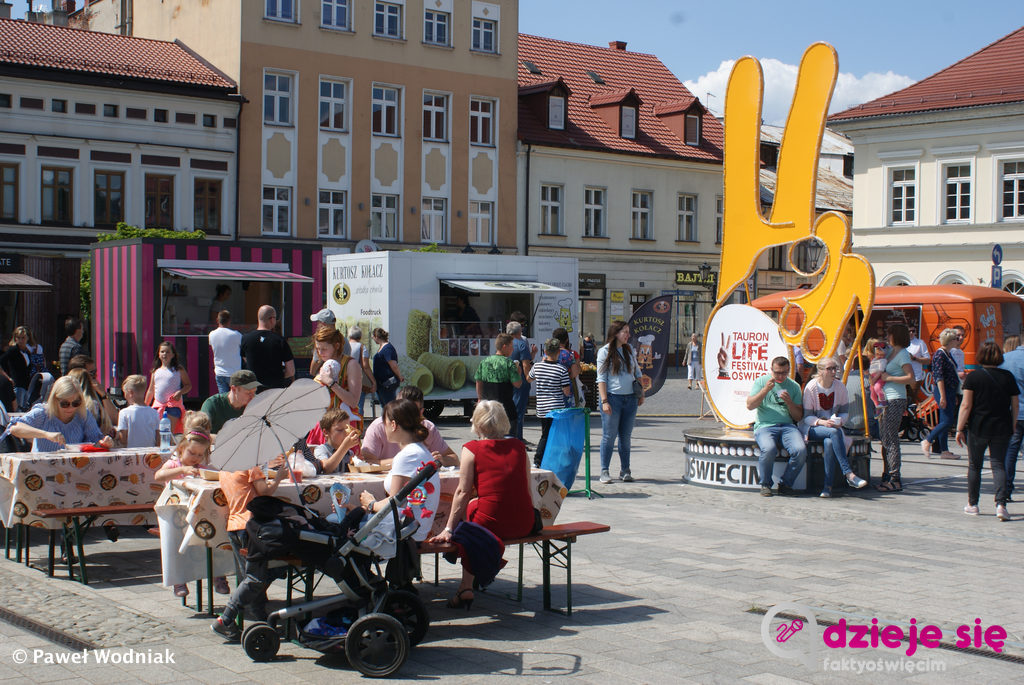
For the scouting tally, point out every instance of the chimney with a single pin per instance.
(69, 6)
(5, 9)
(617, 45)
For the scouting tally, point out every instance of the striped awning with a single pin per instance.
(238, 274)
(22, 282)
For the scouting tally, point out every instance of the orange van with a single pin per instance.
(984, 314)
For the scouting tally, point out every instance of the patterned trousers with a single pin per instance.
(889, 428)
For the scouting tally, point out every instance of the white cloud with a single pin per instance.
(779, 82)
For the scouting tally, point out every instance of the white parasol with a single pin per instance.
(273, 421)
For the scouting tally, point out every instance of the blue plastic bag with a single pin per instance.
(564, 447)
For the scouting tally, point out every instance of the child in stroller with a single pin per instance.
(374, 624)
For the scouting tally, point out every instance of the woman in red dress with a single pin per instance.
(498, 469)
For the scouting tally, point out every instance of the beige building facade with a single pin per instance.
(385, 121)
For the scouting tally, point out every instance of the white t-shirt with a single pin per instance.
(423, 500)
(227, 356)
(142, 423)
(917, 348)
(358, 351)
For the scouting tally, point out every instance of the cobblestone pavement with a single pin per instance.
(675, 593)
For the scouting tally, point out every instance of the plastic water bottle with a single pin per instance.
(166, 441)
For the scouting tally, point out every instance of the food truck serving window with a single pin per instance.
(503, 286)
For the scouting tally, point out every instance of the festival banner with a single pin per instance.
(739, 347)
(649, 329)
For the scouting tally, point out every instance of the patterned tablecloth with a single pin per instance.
(62, 480)
(193, 514)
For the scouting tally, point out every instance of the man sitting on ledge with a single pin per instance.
(777, 415)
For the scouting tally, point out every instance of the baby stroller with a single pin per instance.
(372, 623)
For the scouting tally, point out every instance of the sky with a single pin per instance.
(883, 45)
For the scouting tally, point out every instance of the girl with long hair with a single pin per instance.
(617, 368)
(168, 385)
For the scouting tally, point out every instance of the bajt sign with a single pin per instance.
(740, 340)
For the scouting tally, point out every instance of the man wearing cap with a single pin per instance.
(229, 405)
(226, 344)
(267, 353)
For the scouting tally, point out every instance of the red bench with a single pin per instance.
(553, 545)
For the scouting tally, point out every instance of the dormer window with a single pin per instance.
(556, 112)
(692, 129)
(627, 124)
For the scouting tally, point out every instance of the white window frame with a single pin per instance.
(481, 28)
(384, 10)
(551, 209)
(594, 211)
(482, 122)
(960, 182)
(481, 222)
(385, 105)
(686, 218)
(434, 220)
(627, 121)
(333, 103)
(433, 109)
(329, 8)
(719, 219)
(641, 215)
(276, 203)
(384, 210)
(430, 19)
(1018, 180)
(335, 204)
(695, 120)
(894, 188)
(274, 10)
(556, 112)
(278, 95)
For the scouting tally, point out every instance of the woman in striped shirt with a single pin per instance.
(551, 384)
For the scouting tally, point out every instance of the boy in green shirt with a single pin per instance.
(772, 395)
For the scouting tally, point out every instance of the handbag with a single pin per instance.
(638, 388)
(368, 382)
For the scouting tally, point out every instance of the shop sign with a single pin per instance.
(591, 282)
(694, 278)
(10, 264)
(617, 296)
(740, 344)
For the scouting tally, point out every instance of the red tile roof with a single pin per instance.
(29, 44)
(993, 75)
(612, 97)
(621, 71)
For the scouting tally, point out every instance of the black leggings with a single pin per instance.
(545, 427)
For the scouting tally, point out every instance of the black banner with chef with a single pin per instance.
(649, 330)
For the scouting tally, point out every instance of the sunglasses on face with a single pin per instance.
(64, 404)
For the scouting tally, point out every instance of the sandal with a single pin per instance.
(459, 600)
(885, 486)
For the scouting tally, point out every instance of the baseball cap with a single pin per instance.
(325, 316)
(244, 379)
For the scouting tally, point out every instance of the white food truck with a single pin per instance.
(442, 311)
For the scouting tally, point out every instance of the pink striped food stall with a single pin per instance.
(147, 290)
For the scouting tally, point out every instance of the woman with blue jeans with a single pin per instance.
(616, 371)
(826, 410)
(947, 384)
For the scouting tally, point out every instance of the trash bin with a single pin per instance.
(588, 379)
(564, 447)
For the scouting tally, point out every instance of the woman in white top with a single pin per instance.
(826, 404)
(404, 426)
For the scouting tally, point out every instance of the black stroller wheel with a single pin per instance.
(260, 642)
(377, 645)
(410, 612)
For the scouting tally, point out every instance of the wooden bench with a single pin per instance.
(554, 546)
(76, 523)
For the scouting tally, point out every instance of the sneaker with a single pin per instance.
(926, 448)
(971, 510)
(220, 586)
(181, 590)
(825, 494)
(766, 491)
(229, 631)
(606, 477)
(949, 455)
(1001, 513)
(627, 477)
(855, 481)
(786, 491)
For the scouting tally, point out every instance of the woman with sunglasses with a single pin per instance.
(63, 420)
(826, 404)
